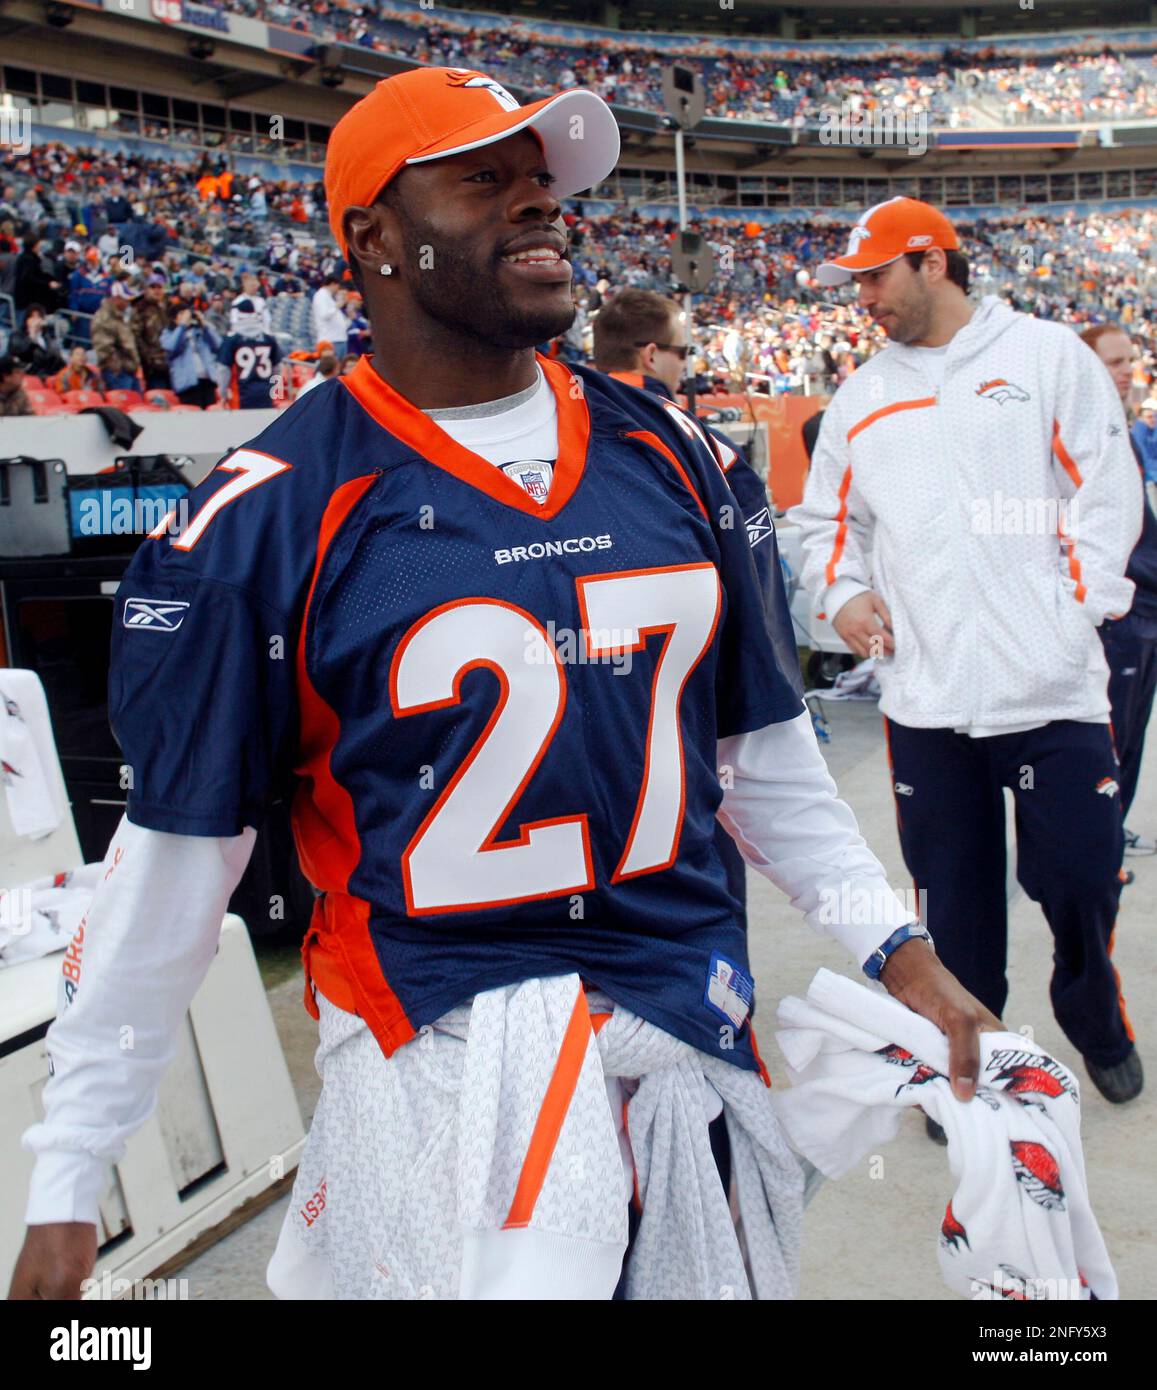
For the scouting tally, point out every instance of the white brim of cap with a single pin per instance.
(830, 273)
(577, 161)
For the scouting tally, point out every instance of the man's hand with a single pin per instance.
(54, 1260)
(865, 625)
(914, 975)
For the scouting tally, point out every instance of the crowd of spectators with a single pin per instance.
(1080, 85)
(135, 274)
(767, 324)
(1088, 87)
(134, 269)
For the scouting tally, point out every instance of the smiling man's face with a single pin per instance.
(484, 243)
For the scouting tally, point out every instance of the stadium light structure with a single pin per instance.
(685, 98)
(329, 61)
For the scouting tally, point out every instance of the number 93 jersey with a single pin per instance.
(497, 716)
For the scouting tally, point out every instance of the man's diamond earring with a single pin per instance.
(385, 270)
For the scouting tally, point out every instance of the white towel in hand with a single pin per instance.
(1019, 1224)
(42, 916)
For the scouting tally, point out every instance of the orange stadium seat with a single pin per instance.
(46, 403)
(80, 400)
(124, 400)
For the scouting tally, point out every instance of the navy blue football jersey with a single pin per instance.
(755, 514)
(498, 717)
(251, 362)
(755, 511)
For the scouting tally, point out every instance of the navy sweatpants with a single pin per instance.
(1132, 656)
(1069, 838)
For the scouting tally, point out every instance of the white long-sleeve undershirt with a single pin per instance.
(155, 919)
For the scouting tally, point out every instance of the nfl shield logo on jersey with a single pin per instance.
(532, 475)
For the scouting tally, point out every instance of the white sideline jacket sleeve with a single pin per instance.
(149, 937)
(781, 807)
(1095, 468)
(836, 523)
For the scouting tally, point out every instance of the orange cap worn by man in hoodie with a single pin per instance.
(430, 113)
(885, 233)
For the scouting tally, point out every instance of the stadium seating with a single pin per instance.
(47, 403)
(967, 85)
(81, 400)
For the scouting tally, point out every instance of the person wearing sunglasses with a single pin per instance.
(641, 338)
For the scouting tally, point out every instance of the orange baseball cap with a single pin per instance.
(887, 232)
(429, 113)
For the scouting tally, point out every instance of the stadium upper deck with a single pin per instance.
(260, 83)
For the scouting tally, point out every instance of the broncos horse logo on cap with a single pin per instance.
(467, 77)
(1000, 391)
(858, 233)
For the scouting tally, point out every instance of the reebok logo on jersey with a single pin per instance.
(538, 550)
(759, 527)
(1000, 391)
(902, 789)
(157, 614)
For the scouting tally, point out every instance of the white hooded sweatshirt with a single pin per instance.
(994, 514)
